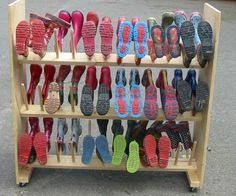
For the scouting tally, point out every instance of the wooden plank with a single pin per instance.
(65, 112)
(193, 179)
(95, 164)
(66, 58)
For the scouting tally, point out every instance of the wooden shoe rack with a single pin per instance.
(194, 165)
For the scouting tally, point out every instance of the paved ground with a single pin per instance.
(220, 175)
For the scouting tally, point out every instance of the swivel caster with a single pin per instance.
(21, 185)
(193, 189)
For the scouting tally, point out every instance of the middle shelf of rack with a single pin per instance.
(66, 112)
(66, 58)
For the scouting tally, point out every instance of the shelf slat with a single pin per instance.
(65, 58)
(95, 164)
(66, 112)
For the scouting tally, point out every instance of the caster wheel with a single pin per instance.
(21, 185)
(193, 189)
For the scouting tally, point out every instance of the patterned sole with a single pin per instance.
(174, 137)
(102, 148)
(103, 103)
(205, 35)
(184, 96)
(149, 144)
(40, 145)
(187, 33)
(121, 104)
(133, 161)
(140, 39)
(88, 34)
(173, 40)
(39, 44)
(202, 96)
(150, 104)
(25, 146)
(52, 103)
(88, 148)
(136, 106)
(22, 37)
(86, 104)
(164, 151)
(106, 32)
(125, 38)
(119, 149)
(158, 38)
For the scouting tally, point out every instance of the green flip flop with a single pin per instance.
(119, 149)
(133, 161)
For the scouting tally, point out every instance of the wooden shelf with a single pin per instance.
(65, 58)
(95, 164)
(66, 112)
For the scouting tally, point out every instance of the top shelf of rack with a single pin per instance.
(66, 58)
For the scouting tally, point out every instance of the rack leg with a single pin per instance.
(73, 49)
(177, 154)
(56, 46)
(58, 151)
(40, 97)
(193, 152)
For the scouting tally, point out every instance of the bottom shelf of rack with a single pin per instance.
(95, 164)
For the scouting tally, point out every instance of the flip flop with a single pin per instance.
(103, 103)
(88, 33)
(150, 104)
(158, 38)
(40, 145)
(173, 40)
(164, 151)
(22, 38)
(88, 147)
(102, 149)
(140, 39)
(25, 145)
(202, 96)
(119, 149)
(121, 103)
(149, 144)
(133, 161)
(125, 36)
(136, 105)
(52, 103)
(184, 95)
(86, 104)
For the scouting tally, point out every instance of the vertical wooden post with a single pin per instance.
(40, 97)
(24, 96)
(58, 151)
(193, 152)
(89, 127)
(72, 101)
(177, 154)
(72, 41)
(56, 45)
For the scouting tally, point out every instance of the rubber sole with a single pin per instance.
(125, 36)
(40, 145)
(174, 137)
(103, 103)
(88, 148)
(184, 96)
(202, 96)
(86, 104)
(150, 104)
(206, 37)
(149, 144)
(52, 103)
(136, 106)
(22, 38)
(164, 151)
(187, 33)
(39, 44)
(140, 39)
(173, 40)
(25, 145)
(119, 149)
(102, 148)
(158, 38)
(106, 32)
(133, 161)
(121, 103)
(88, 34)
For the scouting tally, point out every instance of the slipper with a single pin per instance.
(119, 149)
(52, 103)
(140, 39)
(133, 161)
(173, 40)
(164, 151)
(184, 95)
(121, 103)
(202, 96)
(86, 104)
(136, 105)
(103, 103)
(22, 38)
(149, 144)
(25, 146)
(150, 104)
(125, 37)
(88, 147)
(40, 145)
(102, 149)
(158, 38)
(88, 34)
